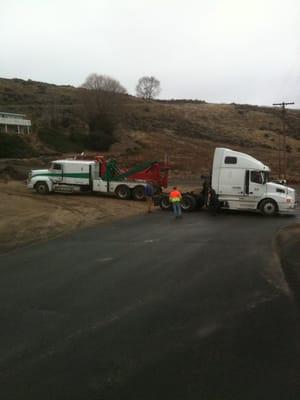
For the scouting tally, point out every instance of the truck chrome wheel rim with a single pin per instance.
(42, 188)
(123, 192)
(165, 203)
(139, 194)
(269, 208)
(185, 205)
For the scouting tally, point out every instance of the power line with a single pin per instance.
(282, 143)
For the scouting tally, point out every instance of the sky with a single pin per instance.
(221, 51)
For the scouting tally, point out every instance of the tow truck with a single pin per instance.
(81, 174)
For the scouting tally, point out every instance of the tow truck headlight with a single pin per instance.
(288, 199)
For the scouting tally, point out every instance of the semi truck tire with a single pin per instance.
(188, 203)
(200, 202)
(156, 188)
(41, 188)
(138, 193)
(164, 203)
(268, 207)
(123, 192)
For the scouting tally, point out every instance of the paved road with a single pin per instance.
(150, 308)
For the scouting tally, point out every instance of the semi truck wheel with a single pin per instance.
(123, 192)
(188, 203)
(138, 193)
(41, 188)
(156, 188)
(200, 201)
(268, 207)
(164, 203)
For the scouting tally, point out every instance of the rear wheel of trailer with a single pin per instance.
(188, 203)
(138, 193)
(165, 203)
(123, 192)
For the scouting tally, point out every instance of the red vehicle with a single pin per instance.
(151, 171)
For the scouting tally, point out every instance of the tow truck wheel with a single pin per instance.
(188, 203)
(138, 193)
(123, 192)
(164, 203)
(41, 188)
(268, 207)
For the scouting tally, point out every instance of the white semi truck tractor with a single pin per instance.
(241, 183)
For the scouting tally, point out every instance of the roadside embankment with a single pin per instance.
(27, 217)
(288, 246)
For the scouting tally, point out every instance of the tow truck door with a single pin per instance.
(57, 172)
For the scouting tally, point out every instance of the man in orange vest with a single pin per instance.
(175, 199)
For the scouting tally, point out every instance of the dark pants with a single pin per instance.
(214, 207)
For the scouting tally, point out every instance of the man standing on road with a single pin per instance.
(175, 199)
(149, 193)
(205, 189)
(214, 203)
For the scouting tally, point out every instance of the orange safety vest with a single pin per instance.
(175, 196)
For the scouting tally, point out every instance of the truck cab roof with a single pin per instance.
(78, 162)
(227, 158)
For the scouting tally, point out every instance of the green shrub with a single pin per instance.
(77, 136)
(14, 146)
(100, 141)
(101, 135)
(58, 140)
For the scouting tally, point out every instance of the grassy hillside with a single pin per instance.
(188, 131)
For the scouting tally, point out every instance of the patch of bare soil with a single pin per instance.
(27, 217)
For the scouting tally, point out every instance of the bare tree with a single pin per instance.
(148, 87)
(101, 94)
(102, 98)
(103, 83)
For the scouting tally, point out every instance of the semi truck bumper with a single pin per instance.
(287, 208)
(29, 184)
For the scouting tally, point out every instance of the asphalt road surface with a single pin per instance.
(150, 308)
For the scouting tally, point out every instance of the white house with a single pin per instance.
(14, 123)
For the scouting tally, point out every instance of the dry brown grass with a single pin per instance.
(28, 217)
(189, 132)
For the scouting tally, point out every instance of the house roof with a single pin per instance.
(12, 114)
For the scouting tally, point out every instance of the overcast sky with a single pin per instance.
(243, 51)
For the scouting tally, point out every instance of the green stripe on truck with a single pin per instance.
(66, 175)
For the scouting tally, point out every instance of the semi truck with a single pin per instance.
(241, 183)
(98, 175)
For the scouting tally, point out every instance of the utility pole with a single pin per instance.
(282, 141)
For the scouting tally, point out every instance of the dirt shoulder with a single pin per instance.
(27, 217)
(288, 244)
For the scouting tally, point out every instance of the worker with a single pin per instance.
(205, 188)
(149, 193)
(175, 199)
(213, 202)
